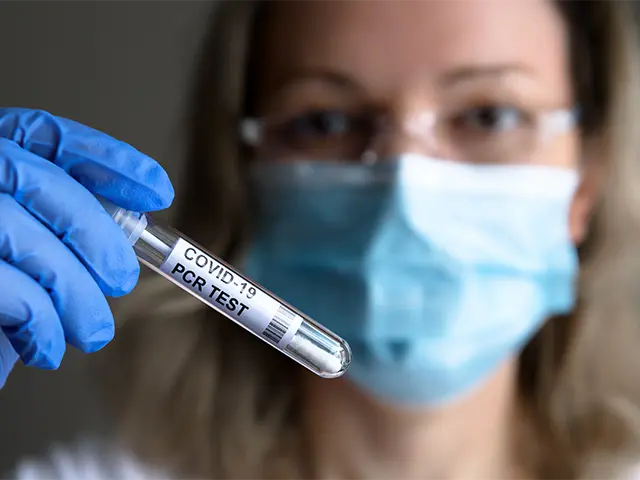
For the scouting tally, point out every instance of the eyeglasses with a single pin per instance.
(480, 134)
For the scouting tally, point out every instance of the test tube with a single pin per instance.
(221, 287)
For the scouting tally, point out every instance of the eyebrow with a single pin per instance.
(321, 75)
(465, 74)
(448, 79)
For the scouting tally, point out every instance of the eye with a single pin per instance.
(324, 133)
(318, 124)
(491, 119)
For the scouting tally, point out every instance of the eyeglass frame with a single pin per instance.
(549, 122)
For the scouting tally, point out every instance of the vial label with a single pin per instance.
(231, 294)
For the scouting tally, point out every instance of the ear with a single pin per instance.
(591, 178)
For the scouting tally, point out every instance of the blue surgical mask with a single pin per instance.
(435, 272)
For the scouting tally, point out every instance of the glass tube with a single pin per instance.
(220, 286)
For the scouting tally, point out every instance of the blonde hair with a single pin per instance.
(197, 393)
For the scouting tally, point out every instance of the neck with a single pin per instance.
(352, 436)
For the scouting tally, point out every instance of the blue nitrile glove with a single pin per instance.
(60, 252)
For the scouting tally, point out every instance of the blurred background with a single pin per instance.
(123, 67)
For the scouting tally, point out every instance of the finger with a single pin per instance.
(102, 164)
(80, 305)
(29, 320)
(72, 214)
(8, 357)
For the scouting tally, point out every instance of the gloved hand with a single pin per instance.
(60, 252)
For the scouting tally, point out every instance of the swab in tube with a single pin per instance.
(230, 293)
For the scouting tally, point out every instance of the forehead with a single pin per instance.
(382, 42)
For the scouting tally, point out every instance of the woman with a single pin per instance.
(473, 357)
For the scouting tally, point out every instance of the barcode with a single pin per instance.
(279, 324)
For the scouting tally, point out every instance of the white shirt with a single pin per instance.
(95, 461)
(88, 460)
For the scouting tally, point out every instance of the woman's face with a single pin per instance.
(486, 66)
(467, 81)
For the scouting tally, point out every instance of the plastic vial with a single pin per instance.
(221, 287)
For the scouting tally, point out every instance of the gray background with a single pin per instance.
(123, 67)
